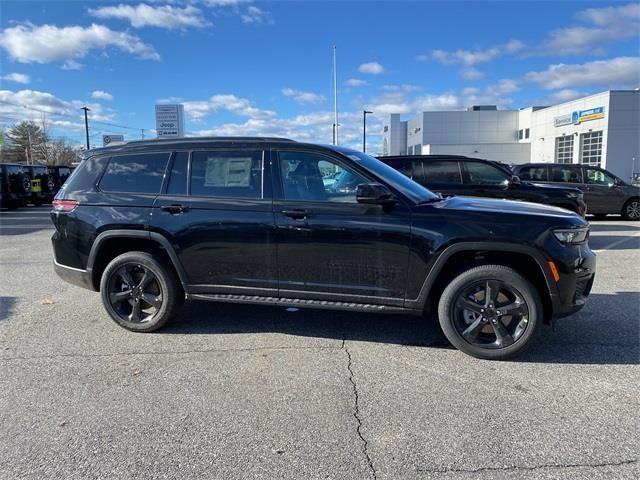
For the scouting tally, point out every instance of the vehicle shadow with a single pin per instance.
(614, 242)
(592, 336)
(6, 307)
(607, 227)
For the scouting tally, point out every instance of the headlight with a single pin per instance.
(575, 235)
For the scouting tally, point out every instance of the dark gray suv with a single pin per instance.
(604, 193)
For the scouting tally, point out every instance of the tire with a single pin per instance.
(631, 210)
(123, 293)
(472, 331)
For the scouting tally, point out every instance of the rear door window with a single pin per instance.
(139, 173)
(441, 173)
(561, 174)
(234, 174)
(534, 174)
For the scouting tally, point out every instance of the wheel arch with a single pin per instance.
(462, 256)
(111, 243)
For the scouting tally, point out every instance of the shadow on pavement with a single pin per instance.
(608, 227)
(6, 307)
(592, 336)
(609, 242)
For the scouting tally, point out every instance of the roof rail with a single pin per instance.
(207, 139)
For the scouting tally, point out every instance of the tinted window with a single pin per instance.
(441, 172)
(565, 174)
(533, 173)
(403, 166)
(312, 177)
(483, 174)
(178, 176)
(140, 173)
(227, 174)
(599, 177)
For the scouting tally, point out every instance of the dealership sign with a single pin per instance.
(170, 120)
(579, 116)
(112, 140)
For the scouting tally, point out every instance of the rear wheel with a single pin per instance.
(631, 209)
(490, 312)
(140, 292)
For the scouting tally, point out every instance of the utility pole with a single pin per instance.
(335, 99)
(86, 124)
(142, 133)
(364, 129)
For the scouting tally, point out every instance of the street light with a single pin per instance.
(364, 129)
(86, 124)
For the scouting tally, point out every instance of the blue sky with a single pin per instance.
(243, 67)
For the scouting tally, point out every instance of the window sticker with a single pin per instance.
(228, 172)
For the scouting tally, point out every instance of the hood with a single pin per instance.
(497, 206)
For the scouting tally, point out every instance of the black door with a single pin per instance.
(601, 191)
(329, 246)
(216, 209)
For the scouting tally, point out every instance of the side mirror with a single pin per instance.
(374, 194)
(516, 180)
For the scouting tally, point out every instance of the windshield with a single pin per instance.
(397, 180)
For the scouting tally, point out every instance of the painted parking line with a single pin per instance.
(616, 243)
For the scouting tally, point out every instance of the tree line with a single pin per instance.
(28, 142)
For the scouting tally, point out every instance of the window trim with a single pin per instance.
(262, 151)
(98, 184)
(279, 180)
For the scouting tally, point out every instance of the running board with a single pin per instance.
(301, 303)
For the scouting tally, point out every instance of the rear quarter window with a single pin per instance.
(139, 173)
(85, 176)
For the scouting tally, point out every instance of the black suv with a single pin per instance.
(261, 221)
(603, 191)
(15, 185)
(460, 175)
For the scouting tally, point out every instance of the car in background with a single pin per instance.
(15, 185)
(42, 184)
(474, 177)
(604, 192)
(59, 174)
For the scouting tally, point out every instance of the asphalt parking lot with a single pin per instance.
(259, 392)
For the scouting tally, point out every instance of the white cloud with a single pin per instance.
(255, 15)
(608, 25)
(471, 73)
(565, 95)
(101, 95)
(17, 77)
(372, 68)
(163, 16)
(303, 97)
(405, 87)
(472, 57)
(197, 110)
(616, 72)
(48, 43)
(356, 82)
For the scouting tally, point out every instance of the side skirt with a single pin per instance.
(302, 303)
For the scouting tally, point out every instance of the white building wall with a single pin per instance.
(464, 127)
(544, 131)
(623, 145)
(512, 153)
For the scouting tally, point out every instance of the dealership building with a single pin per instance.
(601, 129)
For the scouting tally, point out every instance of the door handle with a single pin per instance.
(174, 209)
(297, 214)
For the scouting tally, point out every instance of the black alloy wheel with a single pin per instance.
(491, 314)
(140, 292)
(631, 210)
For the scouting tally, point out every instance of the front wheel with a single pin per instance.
(490, 312)
(631, 209)
(140, 292)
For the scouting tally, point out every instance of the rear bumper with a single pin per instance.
(75, 276)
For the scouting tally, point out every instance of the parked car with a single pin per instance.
(603, 191)
(15, 185)
(59, 175)
(250, 220)
(460, 175)
(42, 184)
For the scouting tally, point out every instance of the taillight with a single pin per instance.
(64, 205)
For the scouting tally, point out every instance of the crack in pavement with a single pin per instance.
(165, 352)
(356, 412)
(527, 468)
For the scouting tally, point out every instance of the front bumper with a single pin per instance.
(574, 285)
